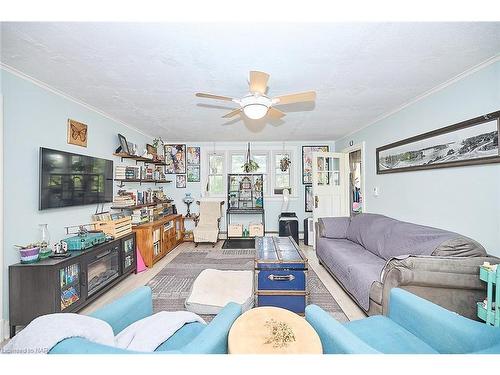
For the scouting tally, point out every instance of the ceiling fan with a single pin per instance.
(257, 104)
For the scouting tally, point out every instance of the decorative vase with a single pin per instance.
(44, 241)
(188, 199)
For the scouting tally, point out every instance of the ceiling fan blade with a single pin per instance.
(232, 113)
(307, 96)
(212, 96)
(258, 81)
(275, 113)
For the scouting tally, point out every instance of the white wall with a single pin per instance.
(463, 199)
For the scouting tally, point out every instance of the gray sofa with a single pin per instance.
(370, 254)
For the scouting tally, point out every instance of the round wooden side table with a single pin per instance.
(261, 331)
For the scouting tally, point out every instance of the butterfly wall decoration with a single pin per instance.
(77, 133)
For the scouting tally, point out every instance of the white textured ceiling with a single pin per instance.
(146, 74)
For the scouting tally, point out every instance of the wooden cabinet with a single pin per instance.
(157, 238)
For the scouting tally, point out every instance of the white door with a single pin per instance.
(330, 185)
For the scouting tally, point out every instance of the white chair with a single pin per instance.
(207, 225)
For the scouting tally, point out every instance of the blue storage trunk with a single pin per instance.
(280, 273)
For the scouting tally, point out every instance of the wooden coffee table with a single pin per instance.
(251, 333)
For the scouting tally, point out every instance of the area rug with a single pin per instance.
(239, 243)
(171, 286)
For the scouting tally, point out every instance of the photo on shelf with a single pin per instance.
(180, 181)
(123, 144)
(193, 173)
(150, 149)
(175, 159)
(193, 155)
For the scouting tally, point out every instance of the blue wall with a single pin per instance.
(34, 117)
(462, 199)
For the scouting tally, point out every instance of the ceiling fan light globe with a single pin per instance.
(255, 111)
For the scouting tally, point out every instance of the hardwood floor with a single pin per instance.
(350, 308)
(352, 311)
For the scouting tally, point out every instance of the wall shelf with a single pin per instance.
(142, 181)
(138, 158)
(140, 205)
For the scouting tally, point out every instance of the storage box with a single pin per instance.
(235, 230)
(116, 228)
(280, 274)
(256, 230)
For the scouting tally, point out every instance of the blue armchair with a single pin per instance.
(413, 326)
(192, 338)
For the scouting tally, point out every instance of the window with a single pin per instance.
(261, 158)
(216, 174)
(282, 179)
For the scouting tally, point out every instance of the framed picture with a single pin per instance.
(193, 173)
(307, 152)
(180, 181)
(469, 142)
(77, 133)
(175, 158)
(193, 156)
(123, 144)
(308, 198)
(150, 149)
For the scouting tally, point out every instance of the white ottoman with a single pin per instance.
(213, 289)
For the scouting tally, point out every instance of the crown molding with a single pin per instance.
(66, 96)
(437, 88)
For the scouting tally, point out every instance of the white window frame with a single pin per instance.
(269, 174)
(292, 169)
(208, 174)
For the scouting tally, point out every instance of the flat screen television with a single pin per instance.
(68, 179)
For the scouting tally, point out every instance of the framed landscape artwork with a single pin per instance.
(307, 152)
(193, 155)
(308, 198)
(175, 158)
(193, 173)
(469, 142)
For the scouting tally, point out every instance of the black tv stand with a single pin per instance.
(69, 284)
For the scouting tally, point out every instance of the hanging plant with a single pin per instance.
(285, 163)
(250, 165)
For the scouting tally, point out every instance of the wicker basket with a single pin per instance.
(116, 228)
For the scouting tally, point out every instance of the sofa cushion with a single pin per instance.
(384, 335)
(182, 337)
(333, 227)
(355, 267)
(460, 246)
(389, 238)
(370, 231)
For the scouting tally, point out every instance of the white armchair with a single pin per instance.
(207, 225)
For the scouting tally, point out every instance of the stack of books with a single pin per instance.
(132, 172)
(140, 216)
(120, 172)
(147, 173)
(123, 201)
(125, 198)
